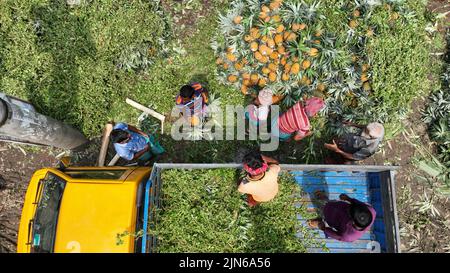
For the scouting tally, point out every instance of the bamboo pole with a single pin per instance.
(148, 111)
(105, 142)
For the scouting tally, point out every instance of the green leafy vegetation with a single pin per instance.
(78, 63)
(371, 59)
(202, 211)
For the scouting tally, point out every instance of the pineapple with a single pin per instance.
(353, 24)
(247, 82)
(265, 9)
(321, 87)
(275, 5)
(265, 70)
(276, 18)
(232, 78)
(303, 26)
(231, 57)
(246, 76)
(272, 76)
(237, 20)
(254, 46)
(226, 66)
(287, 68)
(273, 67)
(367, 87)
(258, 56)
(295, 69)
(291, 37)
(265, 50)
(306, 64)
(285, 77)
(295, 27)
(283, 61)
(278, 39)
(262, 15)
(356, 13)
(219, 61)
(274, 55)
(238, 66)
(254, 78)
(244, 89)
(262, 82)
(280, 29)
(313, 52)
(248, 38)
(364, 77)
(394, 16)
(281, 49)
(365, 67)
(271, 43)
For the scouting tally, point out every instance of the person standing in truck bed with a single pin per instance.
(261, 182)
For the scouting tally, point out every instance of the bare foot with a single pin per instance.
(314, 223)
(321, 195)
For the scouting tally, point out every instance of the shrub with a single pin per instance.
(437, 115)
(67, 60)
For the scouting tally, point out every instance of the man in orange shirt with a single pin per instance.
(261, 182)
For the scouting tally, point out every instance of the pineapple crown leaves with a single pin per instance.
(227, 25)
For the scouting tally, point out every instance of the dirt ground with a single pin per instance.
(17, 165)
(420, 231)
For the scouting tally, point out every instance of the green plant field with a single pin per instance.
(202, 211)
(78, 64)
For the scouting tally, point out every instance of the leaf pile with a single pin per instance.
(202, 211)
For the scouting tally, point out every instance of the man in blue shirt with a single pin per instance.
(131, 143)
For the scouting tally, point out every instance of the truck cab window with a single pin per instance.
(46, 216)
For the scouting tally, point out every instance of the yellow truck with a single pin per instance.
(98, 204)
(107, 209)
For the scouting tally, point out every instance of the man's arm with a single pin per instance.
(353, 124)
(329, 232)
(140, 153)
(136, 130)
(270, 160)
(333, 147)
(301, 135)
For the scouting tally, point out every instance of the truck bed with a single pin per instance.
(371, 184)
(364, 186)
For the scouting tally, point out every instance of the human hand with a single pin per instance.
(344, 197)
(332, 147)
(321, 225)
(346, 122)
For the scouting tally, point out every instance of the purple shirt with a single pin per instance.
(337, 216)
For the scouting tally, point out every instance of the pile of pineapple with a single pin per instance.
(282, 45)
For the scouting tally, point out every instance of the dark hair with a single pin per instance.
(361, 215)
(187, 91)
(118, 135)
(253, 159)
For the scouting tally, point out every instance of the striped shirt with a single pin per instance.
(197, 103)
(294, 120)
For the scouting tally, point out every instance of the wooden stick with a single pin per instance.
(114, 160)
(105, 142)
(145, 109)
